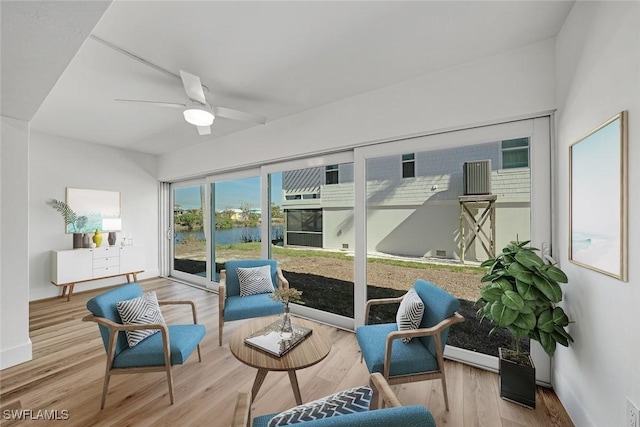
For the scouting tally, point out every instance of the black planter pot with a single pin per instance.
(517, 381)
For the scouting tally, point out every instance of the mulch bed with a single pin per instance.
(471, 334)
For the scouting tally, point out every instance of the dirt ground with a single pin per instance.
(462, 284)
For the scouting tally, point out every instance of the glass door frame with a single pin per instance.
(177, 274)
(211, 180)
(304, 163)
(538, 129)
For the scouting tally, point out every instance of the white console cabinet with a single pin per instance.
(82, 265)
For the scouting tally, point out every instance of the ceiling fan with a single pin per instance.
(197, 111)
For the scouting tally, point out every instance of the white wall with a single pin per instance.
(598, 72)
(337, 226)
(502, 86)
(55, 164)
(15, 345)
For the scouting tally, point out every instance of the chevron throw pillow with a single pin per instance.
(143, 310)
(410, 313)
(345, 402)
(256, 280)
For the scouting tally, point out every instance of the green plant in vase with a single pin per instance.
(286, 296)
(76, 221)
(521, 295)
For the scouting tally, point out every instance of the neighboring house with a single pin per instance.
(413, 204)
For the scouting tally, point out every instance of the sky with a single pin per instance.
(231, 194)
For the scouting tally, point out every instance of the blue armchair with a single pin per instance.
(384, 410)
(156, 353)
(420, 359)
(232, 306)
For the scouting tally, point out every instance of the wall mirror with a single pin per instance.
(100, 207)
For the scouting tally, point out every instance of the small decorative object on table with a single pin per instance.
(112, 238)
(97, 238)
(287, 296)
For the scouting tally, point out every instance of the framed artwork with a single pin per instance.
(598, 199)
(100, 207)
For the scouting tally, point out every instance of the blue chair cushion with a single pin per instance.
(237, 307)
(389, 417)
(104, 305)
(438, 305)
(408, 358)
(183, 340)
(232, 280)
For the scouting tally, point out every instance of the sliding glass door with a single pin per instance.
(236, 217)
(311, 226)
(435, 207)
(189, 232)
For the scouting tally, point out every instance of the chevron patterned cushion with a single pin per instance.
(342, 403)
(140, 311)
(255, 280)
(410, 313)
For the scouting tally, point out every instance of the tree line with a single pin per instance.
(192, 219)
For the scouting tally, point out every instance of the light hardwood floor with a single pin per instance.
(68, 364)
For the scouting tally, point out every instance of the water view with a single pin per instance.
(232, 235)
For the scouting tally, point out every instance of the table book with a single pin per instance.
(268, 339)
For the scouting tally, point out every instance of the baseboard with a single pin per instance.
(572, 405)
(15, 355)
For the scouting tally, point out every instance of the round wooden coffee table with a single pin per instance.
(310, 351)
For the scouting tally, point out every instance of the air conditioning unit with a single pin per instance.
(476, 177)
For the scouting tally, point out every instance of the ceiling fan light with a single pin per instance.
(198, 116)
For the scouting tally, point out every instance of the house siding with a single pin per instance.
(417, 216)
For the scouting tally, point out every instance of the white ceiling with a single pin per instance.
(269, 58)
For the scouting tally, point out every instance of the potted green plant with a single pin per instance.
(70, 218)
(521, 294)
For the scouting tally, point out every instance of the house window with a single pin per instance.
(304, 227)
(331, 174)
(515, 153)
(409, 165)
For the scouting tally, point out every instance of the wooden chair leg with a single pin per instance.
(444, 391)
(105, 388)
(170, 381)
(220, 326)
(199, 355)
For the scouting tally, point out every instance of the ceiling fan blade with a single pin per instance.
(156, 103)
(193, 87)
(204, 130)
(230, 113)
